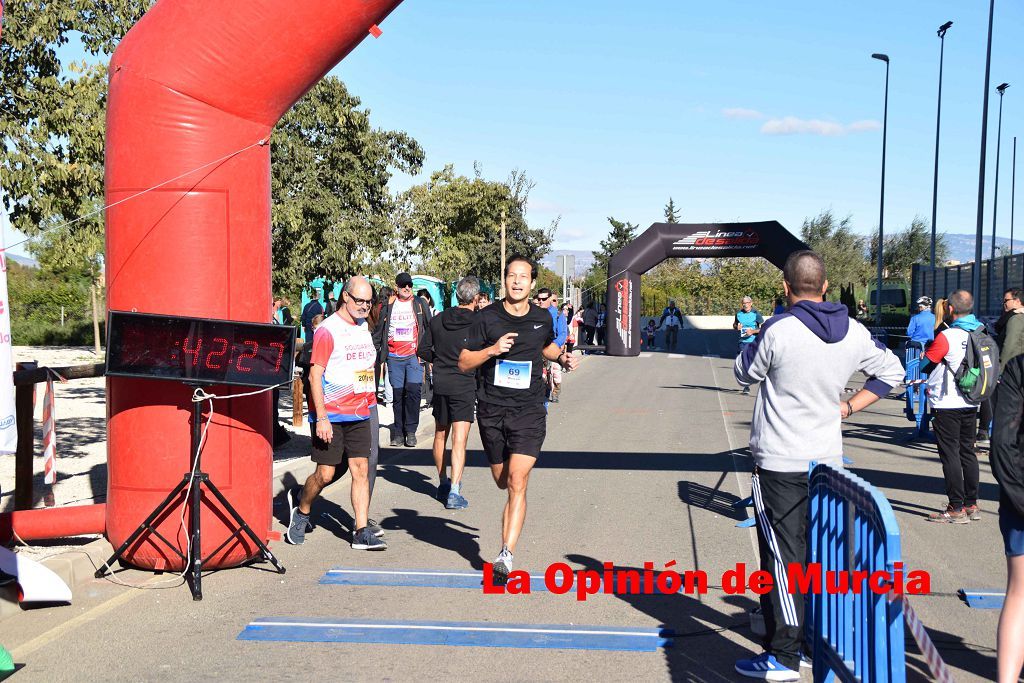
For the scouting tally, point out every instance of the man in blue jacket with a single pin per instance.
(547, 299)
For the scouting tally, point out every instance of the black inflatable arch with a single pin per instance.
(681, 240)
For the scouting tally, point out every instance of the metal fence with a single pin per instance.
(856, 634)
(996, 277)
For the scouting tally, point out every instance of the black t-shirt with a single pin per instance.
(518, 373)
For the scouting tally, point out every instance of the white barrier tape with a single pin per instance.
(931, 654)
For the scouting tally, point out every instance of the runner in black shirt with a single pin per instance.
(509, 343)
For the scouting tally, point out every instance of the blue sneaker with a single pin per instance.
(765, 667)
(456, 501)
(363, 539)
(298, 523)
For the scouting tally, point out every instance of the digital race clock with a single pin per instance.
(199, 350)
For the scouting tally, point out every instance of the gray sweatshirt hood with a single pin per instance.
(828, 320)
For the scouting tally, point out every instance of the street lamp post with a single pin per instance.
(938, 120)
(995, 192)
(881, 203)
(976, 270)
(1013, 189)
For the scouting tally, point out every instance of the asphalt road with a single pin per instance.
(643, 459)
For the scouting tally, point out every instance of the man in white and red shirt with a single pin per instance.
(399, 329)
(342, 395)
(953, 418)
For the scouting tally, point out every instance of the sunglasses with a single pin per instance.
(1010, 299)
(359, 302)
(543, 298)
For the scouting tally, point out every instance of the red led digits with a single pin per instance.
(194, 352)
(252, 354)
(280, 354)
(218, 354)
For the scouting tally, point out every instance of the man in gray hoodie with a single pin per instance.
(803, 359)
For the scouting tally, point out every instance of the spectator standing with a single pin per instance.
(483, 300)
(921, 329)
(590, 323)
(804, 358)
(1010, 327)
(549, 300)
(428, 377)
(780, 306)
(277, 317)
(397, 335)
(602, 325)
(953, 418)
(1008, 467)
(571, 325)
(331, 305)
(311, 309)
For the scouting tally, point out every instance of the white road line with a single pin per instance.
(677, 355)
(647, 355)
(428, 627)
(403, 573)
(745, 492)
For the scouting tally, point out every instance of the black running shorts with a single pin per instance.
(505, 430)
(351, 439)
(455, 408)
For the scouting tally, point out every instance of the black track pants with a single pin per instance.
(780, 505)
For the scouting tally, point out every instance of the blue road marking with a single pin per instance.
(421, 578)
(464, 633)
(983, 598)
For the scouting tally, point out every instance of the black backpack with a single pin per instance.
(979, 371)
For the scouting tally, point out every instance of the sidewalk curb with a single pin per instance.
(77, 567)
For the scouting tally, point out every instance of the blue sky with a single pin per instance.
(739, 110)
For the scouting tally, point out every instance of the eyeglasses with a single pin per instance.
(359, 302)
(1008, 300)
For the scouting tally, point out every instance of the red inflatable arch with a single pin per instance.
(194, 82)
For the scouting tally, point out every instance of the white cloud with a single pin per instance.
(866, 125)
(791, 125)
(741, 113)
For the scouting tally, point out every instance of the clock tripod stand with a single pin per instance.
(194, 481)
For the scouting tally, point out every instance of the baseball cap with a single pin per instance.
(403, 280)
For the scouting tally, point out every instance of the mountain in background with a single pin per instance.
(23, 260)
(961, 245)
(584, 260)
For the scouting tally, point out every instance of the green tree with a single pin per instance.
(452, 224)
(842, 249)
(53, 128)
(908, 246)
(621, 234)
(332, 213)
(671, 212)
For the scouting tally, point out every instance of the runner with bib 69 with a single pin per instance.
(509, 343)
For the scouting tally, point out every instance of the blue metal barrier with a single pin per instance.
(856, 635)
(917, 399)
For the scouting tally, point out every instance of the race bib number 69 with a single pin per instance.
(513, 374)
